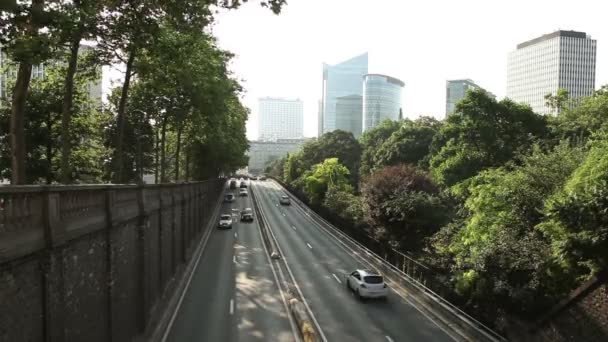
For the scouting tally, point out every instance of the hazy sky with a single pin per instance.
(422, 43)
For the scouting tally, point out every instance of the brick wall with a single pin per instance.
(93, 263)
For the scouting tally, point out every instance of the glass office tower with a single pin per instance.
(381, 99)
(341, 80)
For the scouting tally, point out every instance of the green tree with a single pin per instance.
(588, 117)
(371, 140)
(337, 144)
(499, 255)
(28, 35)
(557, 102)
(482, 133)
(409, 144)
(403, 205)
(323, 176)
(43, 109)
(577, 220)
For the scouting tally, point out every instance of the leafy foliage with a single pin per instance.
(498, 253)
(371, 140)
(43, 112)
(409, 144)
(577, 215)
(403, 203)
(328, 174)
(337, 144)
(482, 133)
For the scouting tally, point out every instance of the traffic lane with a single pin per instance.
(333, 307)
(204, 314)
(336, 259)
(260, 312)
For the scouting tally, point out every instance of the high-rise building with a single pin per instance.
(340, 80)
(455, 90)
(381, 99)
(541, 66)
(261, 153)
(280, 119)
(94, 87)
(349, 112)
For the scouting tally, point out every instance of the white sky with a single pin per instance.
(422, 43)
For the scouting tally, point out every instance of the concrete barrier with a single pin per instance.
(272, 248)
(305, 325)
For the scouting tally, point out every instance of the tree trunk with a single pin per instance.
(120, 121)
(17, 129)
(49, 149)
(66, 109)
(156, 140)
(163, 134)
(187, 177)
(177, 151)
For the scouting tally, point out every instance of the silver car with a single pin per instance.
(225, 221)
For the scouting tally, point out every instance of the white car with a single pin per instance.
(225, 221)
(367, 284)
(243, 192)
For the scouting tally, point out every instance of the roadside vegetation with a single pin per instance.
(176, 114)
(508, 207)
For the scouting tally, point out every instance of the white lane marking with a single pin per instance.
(200, 249)
(295, 283)
(236, 235)
(292, 322)
(337, 279)
(232, 306)
(234, 259)
(283, 214)
(309, 246)
(294, 228)
(329, 232)
(388, 338)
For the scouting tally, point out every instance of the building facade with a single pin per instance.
(382, 99)
(94, 87)
(280, 119)
(541, 66)
(455, 90)
(349, 111)
(261, 153)
(340, 80)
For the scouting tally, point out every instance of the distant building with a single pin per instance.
(349, 112)
(280, 119)
(320, 119)
(562, 59)
(38, 71)
(261, 153)
(340, 80)
(382, 99)
(455, 90)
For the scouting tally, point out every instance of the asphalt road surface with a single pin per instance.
(233, 294)
(319, 265)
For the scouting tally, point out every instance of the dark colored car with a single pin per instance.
(229, 198)
(243, 184)
(233, 184)
(247, 215)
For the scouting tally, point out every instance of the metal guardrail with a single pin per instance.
(469, 320)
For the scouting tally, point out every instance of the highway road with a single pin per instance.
(319, 264)
(233, 294)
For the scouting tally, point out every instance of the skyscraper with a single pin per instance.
(340, 80)
(280, 119)
(562, 59)
(455, 90)
(381, 99)
(348, 113)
